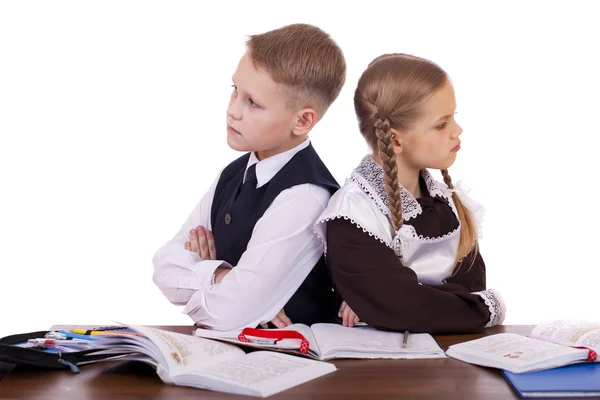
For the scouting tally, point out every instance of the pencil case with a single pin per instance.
(38, 358)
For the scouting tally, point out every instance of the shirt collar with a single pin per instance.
(369, 176)
(269, 167)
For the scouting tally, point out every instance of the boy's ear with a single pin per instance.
(397, 141)
(306, 120)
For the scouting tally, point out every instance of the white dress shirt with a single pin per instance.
(281, 253)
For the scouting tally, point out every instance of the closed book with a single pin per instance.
(577, 380)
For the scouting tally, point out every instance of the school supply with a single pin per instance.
(52, 350)
(106, 330)
(550, 345)
(579, 380)
(329, 341)
(405, 340)
(186, 360)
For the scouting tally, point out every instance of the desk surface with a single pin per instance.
(354, 379)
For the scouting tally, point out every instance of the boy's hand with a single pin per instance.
(202, 242)
(349, 317)
(220, 274)
(281, 320)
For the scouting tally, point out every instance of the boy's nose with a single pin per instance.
(234, 110)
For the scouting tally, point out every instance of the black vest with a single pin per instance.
(314, 301)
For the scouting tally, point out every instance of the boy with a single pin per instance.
(248, 254)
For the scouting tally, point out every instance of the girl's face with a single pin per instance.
(432, 140)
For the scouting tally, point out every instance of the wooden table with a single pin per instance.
(354, 379)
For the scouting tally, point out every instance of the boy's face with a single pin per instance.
(257, 117)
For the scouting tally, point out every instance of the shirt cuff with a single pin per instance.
(205, 274)
(224, 264)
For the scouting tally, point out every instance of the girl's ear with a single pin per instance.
(397, 141)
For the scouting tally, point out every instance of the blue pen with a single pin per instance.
(78, 336)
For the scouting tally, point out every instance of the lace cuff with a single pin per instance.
(495, 303)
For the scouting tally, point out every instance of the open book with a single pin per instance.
(329, 341)
(550, 345)
(187, 360)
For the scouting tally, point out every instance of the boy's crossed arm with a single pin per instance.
(278, 258)
(202, 242)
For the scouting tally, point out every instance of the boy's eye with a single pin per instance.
(252, 103)
(234, 87)
(443, 125)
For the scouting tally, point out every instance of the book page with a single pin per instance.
(260, 372)
(515, 353)
(116, 343)
(124, 357)
(182, 353)
(570, 333)
(285, 344)
(367, 342)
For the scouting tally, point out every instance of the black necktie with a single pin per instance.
(251, 175)
(248, 187)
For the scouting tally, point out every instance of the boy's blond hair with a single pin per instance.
(304, 59)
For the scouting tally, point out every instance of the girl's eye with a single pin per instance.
(234, 87)
(252, 103)
(442, 126)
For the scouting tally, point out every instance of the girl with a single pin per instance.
(402, 247)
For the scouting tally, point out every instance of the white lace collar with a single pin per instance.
(369, 177)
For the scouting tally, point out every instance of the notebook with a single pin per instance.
(578, 380)
(331, 341)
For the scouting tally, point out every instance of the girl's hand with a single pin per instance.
(281, 320)
(349, 317)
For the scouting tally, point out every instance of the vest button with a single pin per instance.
(227, 219)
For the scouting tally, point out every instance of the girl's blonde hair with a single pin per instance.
(389, 95)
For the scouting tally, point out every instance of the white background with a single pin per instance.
(112, 123)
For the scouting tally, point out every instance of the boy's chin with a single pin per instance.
(234, 145)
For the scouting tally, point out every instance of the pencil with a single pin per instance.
(405, 339)
(103, 333)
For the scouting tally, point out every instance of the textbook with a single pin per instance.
(187, 360)
(179, 359)
(579, 380)
(550, 345)
(329, 341)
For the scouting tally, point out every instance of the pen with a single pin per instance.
(58, 342)
(405, 339)
(86, 332)
(77, 336)
(55, 335)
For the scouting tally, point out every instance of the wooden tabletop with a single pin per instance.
(355, 379)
